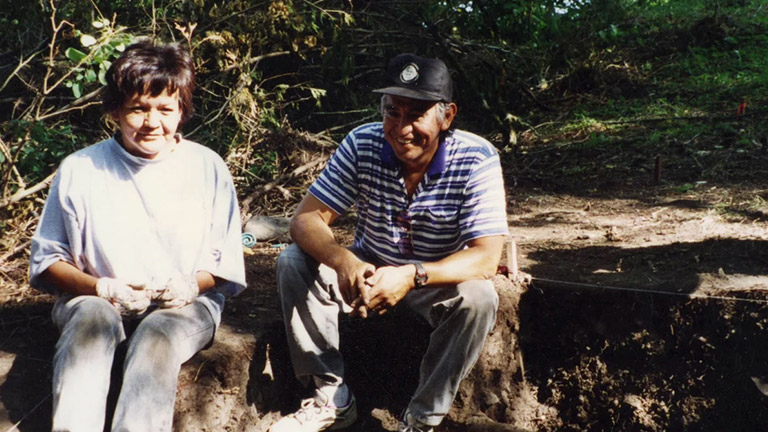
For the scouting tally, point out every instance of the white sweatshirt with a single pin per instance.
(112, 214)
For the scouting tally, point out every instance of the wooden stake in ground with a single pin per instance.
(512, 257)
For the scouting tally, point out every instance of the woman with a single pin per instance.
(140, 230)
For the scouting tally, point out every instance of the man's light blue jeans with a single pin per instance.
(91, 330)
(461, 316)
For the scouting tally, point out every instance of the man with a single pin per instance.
(432, 224)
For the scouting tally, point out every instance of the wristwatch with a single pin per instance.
(421, 277)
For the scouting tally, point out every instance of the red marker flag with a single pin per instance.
(742, 109)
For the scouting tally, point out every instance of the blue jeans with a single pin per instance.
(91, 330)
(461, 316)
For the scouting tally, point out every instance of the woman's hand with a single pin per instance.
(175, 292)
(128, 299)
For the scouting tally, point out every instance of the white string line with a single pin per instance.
(15, 427)
(646, 291)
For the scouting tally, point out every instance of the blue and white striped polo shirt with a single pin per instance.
(460, 198)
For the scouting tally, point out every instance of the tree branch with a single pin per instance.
(245, 203)
(257, 59)
(78, 104)
(20, 195)
(22, 63)
(8, 157)
(15, 251)
(12, 162)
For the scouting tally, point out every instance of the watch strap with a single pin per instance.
(421, 277)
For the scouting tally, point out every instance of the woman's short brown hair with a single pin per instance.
(146, 68)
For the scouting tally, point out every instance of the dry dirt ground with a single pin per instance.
(647, 312)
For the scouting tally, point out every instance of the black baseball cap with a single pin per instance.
(421, 78)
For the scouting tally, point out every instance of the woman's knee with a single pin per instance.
(91, 318)
(90, 332)
(152, 338)
(175, 333)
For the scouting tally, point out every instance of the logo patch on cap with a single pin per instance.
(410, 73)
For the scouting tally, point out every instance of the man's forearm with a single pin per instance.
(316, 238)
(478, 261)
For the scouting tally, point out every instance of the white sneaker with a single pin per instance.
(409, 424)
(314, 416)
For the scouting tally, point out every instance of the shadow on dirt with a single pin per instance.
(628, 162)
(635, 361)
(27, 346)
(381, 357)
(277, 390)
(26, 392)
(674, 268)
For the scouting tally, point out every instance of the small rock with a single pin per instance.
(268, 228)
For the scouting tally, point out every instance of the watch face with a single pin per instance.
(421, 275)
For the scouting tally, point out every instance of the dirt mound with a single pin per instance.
(644, 363)
(496, 391)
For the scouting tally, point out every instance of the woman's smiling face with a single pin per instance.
(148, 124)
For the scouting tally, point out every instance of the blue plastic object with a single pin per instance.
(249, 240)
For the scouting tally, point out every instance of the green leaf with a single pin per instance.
(75, 54)
(87, 40)
(107, 50)
(103, 76)
(90, 75)
(317, 93)
(77, 89)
